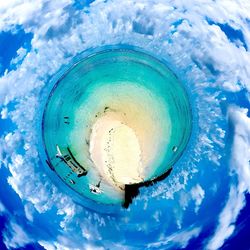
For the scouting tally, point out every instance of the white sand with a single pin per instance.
(115, 150)
(139, 119)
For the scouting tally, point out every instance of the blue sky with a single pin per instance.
(205, 203)
(17, 39)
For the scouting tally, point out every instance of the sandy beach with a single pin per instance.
(115, 150)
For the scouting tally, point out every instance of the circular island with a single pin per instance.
(117, 120)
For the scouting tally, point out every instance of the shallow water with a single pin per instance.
(128, 83)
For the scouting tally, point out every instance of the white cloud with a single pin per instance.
(29, 210)
(184, 199)
(157, 214)
(31, 13)
(240, 165)
(227, 218)
(92, 247)
(15, 236)
(189, 48)
(21, 53)
(2, 208)
(198, 195)
(9, 143)
(58, 246)
(4, 113)
(47, 245)
(179, 239)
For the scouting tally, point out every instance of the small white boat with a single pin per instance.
(59, 153)
(94, 189)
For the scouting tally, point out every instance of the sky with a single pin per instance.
(204, 204)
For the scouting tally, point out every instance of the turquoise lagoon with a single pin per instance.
(118, 116)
